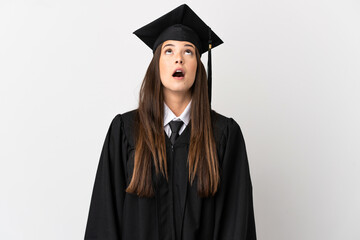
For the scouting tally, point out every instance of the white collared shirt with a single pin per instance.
(170, 116)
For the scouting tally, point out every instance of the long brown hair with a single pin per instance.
(150, 149)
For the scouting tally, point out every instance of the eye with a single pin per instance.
(188, 52)
(168, 51)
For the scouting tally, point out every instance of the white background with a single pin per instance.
(288, 73)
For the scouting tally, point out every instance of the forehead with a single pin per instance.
(178, 43)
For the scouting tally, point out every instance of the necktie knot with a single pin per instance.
(175, 127)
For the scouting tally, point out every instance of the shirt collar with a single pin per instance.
(169, 115)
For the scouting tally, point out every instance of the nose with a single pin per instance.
(179, 59)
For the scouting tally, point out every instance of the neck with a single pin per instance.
(177, 102)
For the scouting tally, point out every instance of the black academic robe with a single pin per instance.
(176, 211)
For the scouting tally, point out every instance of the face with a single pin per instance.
(177, 66)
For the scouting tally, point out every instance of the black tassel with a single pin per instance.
(209, 68)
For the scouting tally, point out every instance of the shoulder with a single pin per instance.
(123, 123)
(129, 116)
(223, 126)
(228, 136)
(220, 122)
(126, 118)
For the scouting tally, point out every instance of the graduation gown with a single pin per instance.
(176, 212)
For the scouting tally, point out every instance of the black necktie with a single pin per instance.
(175, 127)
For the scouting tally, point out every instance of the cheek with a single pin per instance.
(163, 68)
(193, 69)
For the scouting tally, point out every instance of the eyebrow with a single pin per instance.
(172, 45)
(188, 45)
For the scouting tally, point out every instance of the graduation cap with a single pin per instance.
(181, 24)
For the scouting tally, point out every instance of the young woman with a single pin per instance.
(173, 168)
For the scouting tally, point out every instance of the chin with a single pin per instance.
(176, 90)
(179, 90)
(177, 87)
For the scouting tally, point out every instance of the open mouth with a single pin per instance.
(178, 73)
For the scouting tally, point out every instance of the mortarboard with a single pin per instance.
(181, 24)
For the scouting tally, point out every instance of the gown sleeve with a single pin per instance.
(106, 207)
(234, 214)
